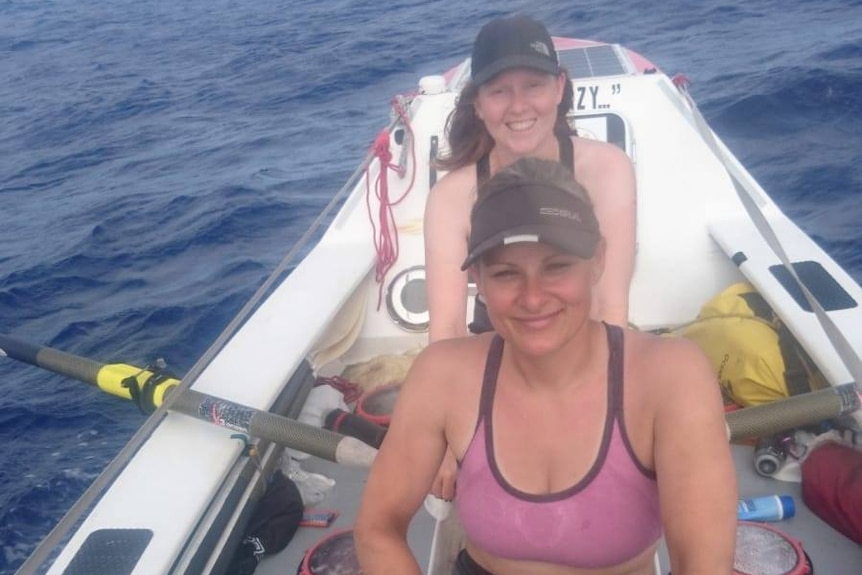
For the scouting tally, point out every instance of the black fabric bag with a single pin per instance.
(273, 524)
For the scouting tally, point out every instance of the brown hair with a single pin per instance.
(468, 137)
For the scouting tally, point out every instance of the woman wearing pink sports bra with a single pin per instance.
(579, 443)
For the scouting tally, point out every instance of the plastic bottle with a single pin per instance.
(767, 508)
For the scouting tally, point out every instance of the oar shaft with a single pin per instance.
(111, 378)
(282, 430)
(73, 366)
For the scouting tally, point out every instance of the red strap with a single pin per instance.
(350, 390)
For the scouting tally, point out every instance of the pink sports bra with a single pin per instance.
(607, 518)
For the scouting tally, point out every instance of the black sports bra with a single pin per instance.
(483, 166)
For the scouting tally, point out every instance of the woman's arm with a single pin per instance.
(403, 470)
(609, 177)
(447, 217)
(694, 466)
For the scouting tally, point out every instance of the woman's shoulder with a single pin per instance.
(451, 200)
(667, 360)
(468, 347)
(596, 147)
(597, 156)
(449, 358)
(606, 172)
(455, 188)
(458, 179)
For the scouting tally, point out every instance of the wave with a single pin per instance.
(786, 100)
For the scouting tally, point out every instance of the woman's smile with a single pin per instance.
(521, 125)
(538, 322)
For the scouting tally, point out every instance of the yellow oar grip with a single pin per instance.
(111, 377)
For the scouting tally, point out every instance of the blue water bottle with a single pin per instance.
(768, 508)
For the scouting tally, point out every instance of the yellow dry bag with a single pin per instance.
(756, 357)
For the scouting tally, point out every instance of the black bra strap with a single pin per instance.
(615, 368)
(483, 166)
(489, 380)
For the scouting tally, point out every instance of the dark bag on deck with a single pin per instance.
(273, 524)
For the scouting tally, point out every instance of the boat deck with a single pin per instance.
(830, 552)
(344, 498)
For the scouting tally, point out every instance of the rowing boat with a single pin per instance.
(178, 497)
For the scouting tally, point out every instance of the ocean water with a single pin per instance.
(157, 160)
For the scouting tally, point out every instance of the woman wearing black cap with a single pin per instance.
(515, 106)
(580, 443)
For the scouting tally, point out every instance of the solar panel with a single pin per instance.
(591, 62)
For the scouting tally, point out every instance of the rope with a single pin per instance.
(349, 389)
(385, 231)
(385, 238)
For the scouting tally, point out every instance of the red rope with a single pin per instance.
(350, 390)
(386, 231)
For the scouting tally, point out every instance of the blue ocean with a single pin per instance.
(158, 159)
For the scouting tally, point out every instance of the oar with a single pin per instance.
(797, 411)
(150, 388)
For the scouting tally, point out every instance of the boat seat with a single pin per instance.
(834, 289)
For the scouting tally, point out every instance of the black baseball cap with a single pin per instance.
(515, 42)
(532, 210)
